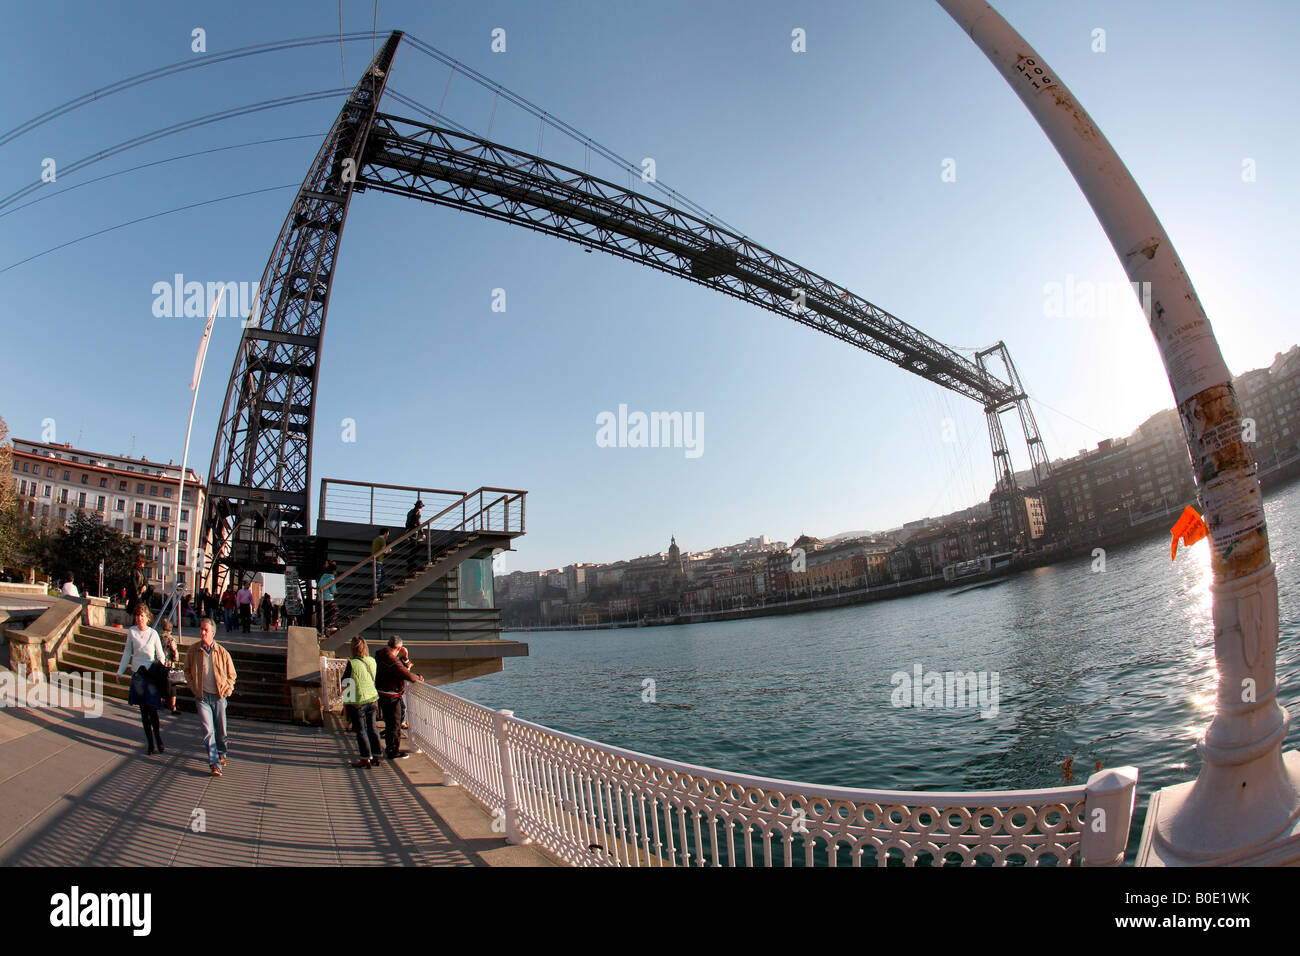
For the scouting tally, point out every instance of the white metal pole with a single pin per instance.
(199, 361)
(1245, 804)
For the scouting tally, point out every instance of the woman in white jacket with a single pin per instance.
(142, 651)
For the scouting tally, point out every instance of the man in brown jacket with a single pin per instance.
(211, 675)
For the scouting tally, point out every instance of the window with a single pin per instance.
(186, 496)
(121, 486)
(47, 492)
(49, 472)
(148, 552)
(121, 505)
(63, 496)
(81, 500)
(166, 513)
(182, 535)
(24, 466)
(85, 478)
(103, 482)
(153, 512)
(153, 490)
(167, 492)
(185, 514)
(162, 533)
(118, 524)
(148, 532)
(139, 488)
(139, 510)
(66, 476)
(99, 503)
(135, 530)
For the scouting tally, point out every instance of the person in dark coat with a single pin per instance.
(391, 676)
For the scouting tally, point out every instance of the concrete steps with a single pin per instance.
(260, 690)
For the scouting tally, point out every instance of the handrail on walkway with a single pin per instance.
(590, 804)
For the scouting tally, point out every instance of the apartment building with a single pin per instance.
(138, 497)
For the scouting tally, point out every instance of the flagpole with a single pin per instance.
(199, 360)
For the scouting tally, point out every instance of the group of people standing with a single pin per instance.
(236, 608)
(374, 687)
(150, 658)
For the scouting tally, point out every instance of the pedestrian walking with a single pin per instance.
(360, 694)
(390, 681)
(264, 609)
(172, 652)
(143, 650)
(139, 586)
(244, 598)
(414, 541)
(229, 602)
(377, 549)
(328, 593)
(211, 675)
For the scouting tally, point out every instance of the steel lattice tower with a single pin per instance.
(260, 478)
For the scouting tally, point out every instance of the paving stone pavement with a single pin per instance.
(78, 791)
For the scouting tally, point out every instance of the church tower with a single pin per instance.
(675, 557)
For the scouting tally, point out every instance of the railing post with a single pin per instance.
(1108, 813)
(513, 833)
(372, 504)
(444, 756)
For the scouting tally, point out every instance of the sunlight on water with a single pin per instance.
(1114, 667)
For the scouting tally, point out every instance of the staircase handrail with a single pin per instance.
(468, 521)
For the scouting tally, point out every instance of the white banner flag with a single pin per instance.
(203, 343)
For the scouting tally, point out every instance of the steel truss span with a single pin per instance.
(261, 462)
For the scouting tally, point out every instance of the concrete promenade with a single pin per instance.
(77, 791)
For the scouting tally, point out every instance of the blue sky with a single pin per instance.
(831, 157)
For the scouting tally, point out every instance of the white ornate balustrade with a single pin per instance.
(594, 805)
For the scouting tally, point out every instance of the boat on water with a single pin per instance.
(983, 568)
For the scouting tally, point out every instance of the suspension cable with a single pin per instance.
(178, 67)
(172, 130)
(157, 215)
(160, 162)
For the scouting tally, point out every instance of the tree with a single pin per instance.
(17, 532)
(78, 548)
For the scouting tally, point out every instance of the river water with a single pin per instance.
(1115, 666)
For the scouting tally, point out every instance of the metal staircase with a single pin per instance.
(476, 525)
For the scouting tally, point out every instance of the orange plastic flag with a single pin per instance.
(1190, 528)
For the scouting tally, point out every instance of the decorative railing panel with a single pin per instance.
(594, 805)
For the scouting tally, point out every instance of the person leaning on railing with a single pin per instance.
(390, 680)
(360, 694)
